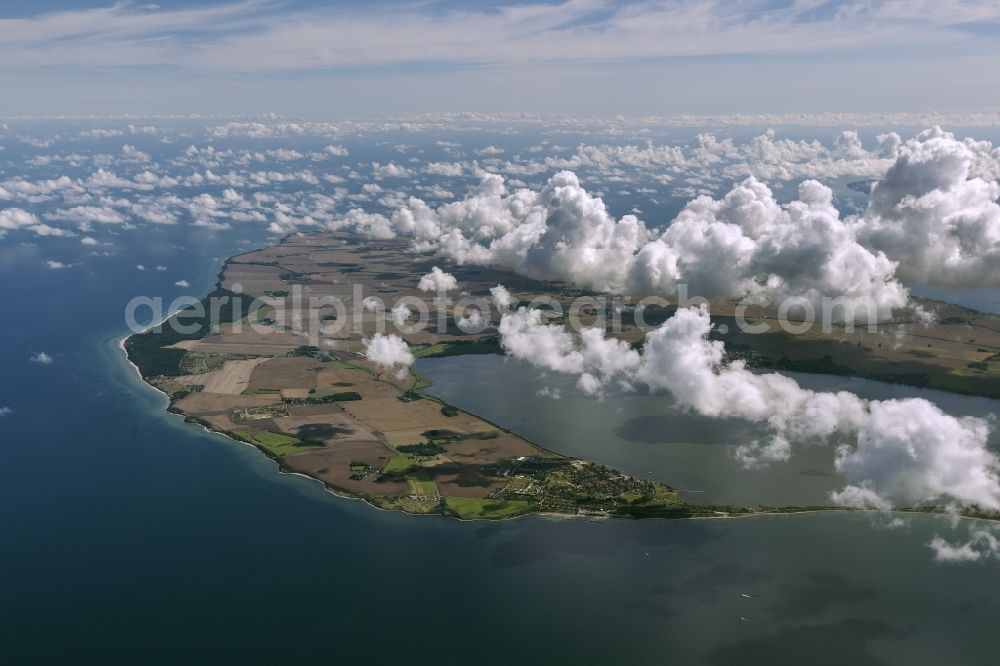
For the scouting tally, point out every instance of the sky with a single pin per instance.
(363, 59)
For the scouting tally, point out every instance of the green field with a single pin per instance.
(419, 381)
(197, 363)
(431, 350)
(401, 464)
(489, 345)
(421, 483)
(338, 363)
(275, 443)
(466, 507)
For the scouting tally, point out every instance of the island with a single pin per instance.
(322, 409)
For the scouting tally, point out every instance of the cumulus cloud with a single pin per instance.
(85, 216)
(891, 452)
(711, 159)
(745, 244)
(132, 153)
(595, 359)
(6, 411)
(42, 358)
(452, 169)
(389, 352)
(472, 322)
(400, 314)
(935, 212)
(12, 219)
(982, 544)
(182, 283)
(559, 232)
(501, 297)
(391, 170)
(54, 265)
(370, 225)
(437, 281)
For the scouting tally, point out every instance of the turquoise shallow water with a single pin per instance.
(127, 536)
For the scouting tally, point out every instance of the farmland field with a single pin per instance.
(465, 507)
(275, 443)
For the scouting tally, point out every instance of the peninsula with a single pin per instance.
(242, 364)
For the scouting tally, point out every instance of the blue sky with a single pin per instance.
(586, 56)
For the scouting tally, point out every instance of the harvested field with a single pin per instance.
(202, 403)
(315, 410)
(248, 341)
(333, 465)
(328, 428)
(485, 451)
(194, 380)
(233, 378)
(286, 372)
(462, 480)
(404, 422)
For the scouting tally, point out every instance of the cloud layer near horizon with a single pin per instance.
(932, 218)
(255, 35)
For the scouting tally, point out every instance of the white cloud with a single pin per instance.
(182, 283)
(745, 244)
(84, 216)
(982, 544)
(99, 133)
(87, 240)
(12, 219)
(130, 152)
(452, 169)
(55, 265)
(371, 225)
(548, 392)
(501, 297)
(16, 218)
(400, 314)
(559, 232)
(6, 411)
(437, 281)
(391, 170)
(934, 214)
(389, 352)
(336, 151)
(42, 358)
(748, 244)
